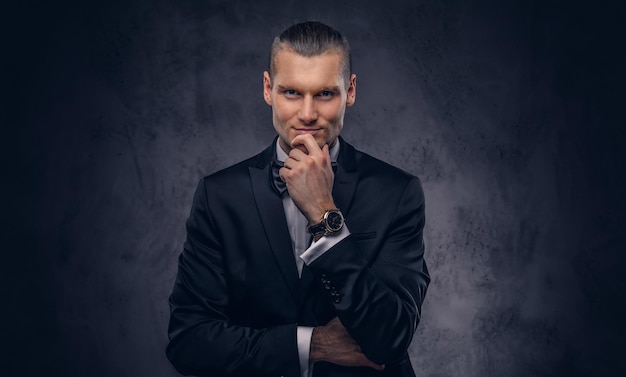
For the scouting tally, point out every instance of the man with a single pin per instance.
(272, 281)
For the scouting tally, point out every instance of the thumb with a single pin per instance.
(369, 363)
(326, 152)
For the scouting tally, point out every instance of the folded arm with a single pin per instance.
(378, 296)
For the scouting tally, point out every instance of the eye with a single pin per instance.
(290, 93)
(326, 94)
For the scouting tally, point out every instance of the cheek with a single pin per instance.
(283, 112)
(332, 112)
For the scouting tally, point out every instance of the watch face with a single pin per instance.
(334, 221)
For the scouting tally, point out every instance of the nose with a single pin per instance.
(308, 112)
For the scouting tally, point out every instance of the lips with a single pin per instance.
(305, 131)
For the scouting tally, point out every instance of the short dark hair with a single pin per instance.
(313, 38)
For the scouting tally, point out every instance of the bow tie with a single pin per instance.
(277, 184)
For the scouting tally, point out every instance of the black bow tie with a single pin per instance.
(277, 184)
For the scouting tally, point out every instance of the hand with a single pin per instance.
(309, 177)
(333, 344)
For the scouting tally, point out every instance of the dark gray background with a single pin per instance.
(510, 112)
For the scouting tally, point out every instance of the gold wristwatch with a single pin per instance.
(331, 223)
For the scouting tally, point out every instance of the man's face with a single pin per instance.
(308, 95)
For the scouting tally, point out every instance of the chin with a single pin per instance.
(300, 147)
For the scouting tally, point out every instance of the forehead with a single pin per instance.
(292, 69)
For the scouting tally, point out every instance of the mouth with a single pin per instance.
(307, 131)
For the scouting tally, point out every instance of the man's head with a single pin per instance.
(309, 83)
(310, 39)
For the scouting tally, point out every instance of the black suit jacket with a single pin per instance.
(237, 299)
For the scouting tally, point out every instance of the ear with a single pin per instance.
(351, 98)
(267, 88)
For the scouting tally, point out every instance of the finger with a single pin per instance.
(364, 361)
(288, 163)
(369, 363)
(282, 172)
(297, 154)
(326, 152)
(309, 143)
(336, 326)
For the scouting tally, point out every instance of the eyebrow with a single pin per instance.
(329, 88)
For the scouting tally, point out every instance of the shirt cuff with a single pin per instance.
(303, 337)
(317, 249)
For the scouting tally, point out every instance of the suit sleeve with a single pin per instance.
(203, 341)
(378, 299)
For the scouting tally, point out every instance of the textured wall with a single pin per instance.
(510, 114)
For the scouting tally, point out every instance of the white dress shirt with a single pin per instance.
(306, 251)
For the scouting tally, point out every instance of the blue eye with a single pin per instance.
(290, 92)
(326, 93)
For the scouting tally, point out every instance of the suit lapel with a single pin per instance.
(272, 214)
(346, 178)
